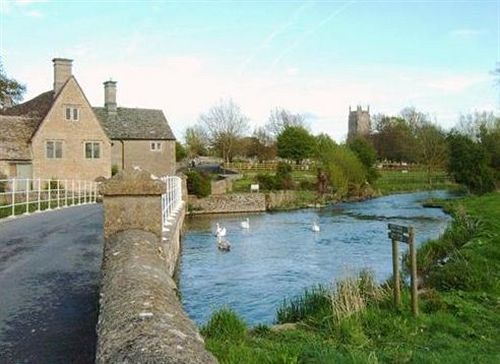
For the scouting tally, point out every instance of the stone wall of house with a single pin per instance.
(73, 134)
(231, 203)
(116, 154)
(139, 153)
(140, 317)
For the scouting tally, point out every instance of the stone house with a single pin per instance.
(58, 134)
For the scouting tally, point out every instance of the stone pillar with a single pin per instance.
(132, 200)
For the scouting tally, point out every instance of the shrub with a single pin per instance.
(225, 325)
(266, 181)
(114, 169)
(198, 184)
(283, 177)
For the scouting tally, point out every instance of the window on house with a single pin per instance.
(155, 146)
(72, 113)
(53, 149)
(92, 150)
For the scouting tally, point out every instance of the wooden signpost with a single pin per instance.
(404, 234)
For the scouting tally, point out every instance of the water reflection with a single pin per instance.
(279, 255)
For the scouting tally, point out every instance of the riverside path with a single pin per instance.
(49, 274)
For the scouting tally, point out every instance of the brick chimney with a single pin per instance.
(62, 72)
(110, 96)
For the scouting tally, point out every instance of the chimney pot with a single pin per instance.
(62, 72)
(110, 96)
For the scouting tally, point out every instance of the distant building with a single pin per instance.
(58, 134)
(359, 122)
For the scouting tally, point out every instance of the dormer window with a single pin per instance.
(155, 146)
(72, 113)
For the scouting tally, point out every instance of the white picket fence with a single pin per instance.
(171, 200)
(25, 196)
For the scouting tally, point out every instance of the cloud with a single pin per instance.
(33, 14)
(466, 33)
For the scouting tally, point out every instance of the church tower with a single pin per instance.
(359, 122)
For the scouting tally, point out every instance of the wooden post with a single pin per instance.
(395, 273)
(413, 259)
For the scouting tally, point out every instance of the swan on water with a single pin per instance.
(315, 227)
(245, 224)
(223, 244)
(220, 231)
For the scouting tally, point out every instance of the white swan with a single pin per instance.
(245, 224)
(220, 231)
(223, 245)
(315, 227)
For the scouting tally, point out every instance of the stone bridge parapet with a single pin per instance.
(140, 317)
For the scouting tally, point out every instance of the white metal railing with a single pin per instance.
(171, 200)
(23, 196)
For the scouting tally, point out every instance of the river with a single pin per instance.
(280, 255)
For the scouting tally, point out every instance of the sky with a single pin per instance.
(311, 57)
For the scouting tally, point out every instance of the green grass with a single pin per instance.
(459, 320)
(413, 180)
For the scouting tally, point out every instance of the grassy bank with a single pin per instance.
(412, 180)
(354, 322)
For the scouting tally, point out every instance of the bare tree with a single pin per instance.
(224, 124)
(470, 124)
(196, 141)
(414, 118)
(496, 74)
(280, 118)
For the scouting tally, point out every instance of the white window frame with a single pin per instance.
(92, 151)
(155, 146)
(72, 110)
(54, 150)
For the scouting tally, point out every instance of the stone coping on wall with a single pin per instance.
(141, 319)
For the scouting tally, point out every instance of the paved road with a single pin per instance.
(49, 272)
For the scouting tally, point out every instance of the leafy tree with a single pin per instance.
(295, 143)
(339, 167)
(11, 91)
(393, 139)
(224, 124)
(198, 184)
(196, 141)
(468, 163)
(490, 140)
(432, 148)
(367, 154)
(280, 118)
(180, 152)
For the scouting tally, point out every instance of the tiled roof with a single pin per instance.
(129, 123)
(18, 124)
(15, 134)
(37, 107)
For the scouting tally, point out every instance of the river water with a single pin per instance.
(279, 255)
